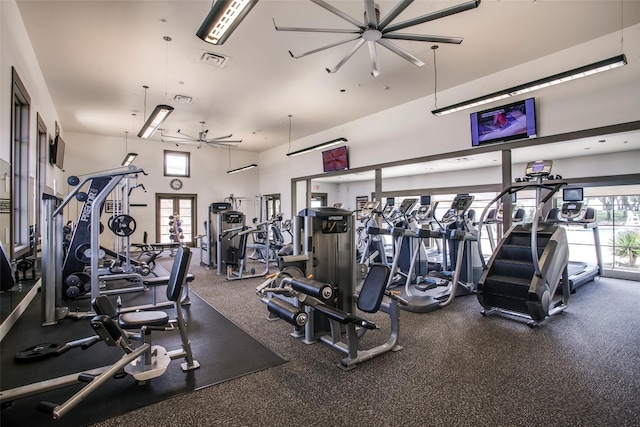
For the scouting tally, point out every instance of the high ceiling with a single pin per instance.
(96, 56)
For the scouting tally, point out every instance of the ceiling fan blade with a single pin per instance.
(397, 10)
(320, 49)
(401, 52)
(187, 135)
(220, 137)
(434, 15)
(316, 30)
(370, 14)
(346, 58)
(181, 141)
(423, 38)
(176, 138)
(219, 145)
(373, 55)
(338, 12)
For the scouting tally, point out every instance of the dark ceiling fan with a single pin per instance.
(374, 30)
(183, 138)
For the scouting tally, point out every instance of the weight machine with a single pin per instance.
(74, 278)
(325, 308)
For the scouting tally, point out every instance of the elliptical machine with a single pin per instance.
(424, 293)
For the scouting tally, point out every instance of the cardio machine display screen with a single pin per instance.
(334, 225)
(233, 218)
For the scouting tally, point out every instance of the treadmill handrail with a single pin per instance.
(510, 190)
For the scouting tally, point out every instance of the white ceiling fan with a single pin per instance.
(183, 138)
(374, 30)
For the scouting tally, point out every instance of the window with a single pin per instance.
(272, 202)
(20, 166)
(176, 163)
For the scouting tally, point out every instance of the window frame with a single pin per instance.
(185, 154)
(20, 140)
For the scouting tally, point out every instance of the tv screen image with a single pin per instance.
(60, 148)
(572, 194)
(508, 122)
(335, 159)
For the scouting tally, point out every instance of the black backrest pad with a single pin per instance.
(373, 288)
(103, 305)
(178, 273)
(6, 278)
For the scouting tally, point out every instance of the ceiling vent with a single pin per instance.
(215, 59)
(183, 99)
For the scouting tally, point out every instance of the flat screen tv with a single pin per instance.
(505, 123)
(59, 150)
(335, 159)
(572, 194)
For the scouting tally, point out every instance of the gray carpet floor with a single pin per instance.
(457, 368)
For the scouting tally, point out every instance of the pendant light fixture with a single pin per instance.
(129, 157)
(243, 168)
(576, 73)
(223, 18)
(162, 111)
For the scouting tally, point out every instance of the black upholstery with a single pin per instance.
(6, 278)
(552, 215)
(373, 288)
(178, 275)
(103, 305)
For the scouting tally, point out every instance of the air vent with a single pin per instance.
(183, 99)
(215, 59)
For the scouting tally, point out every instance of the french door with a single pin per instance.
(176, 218)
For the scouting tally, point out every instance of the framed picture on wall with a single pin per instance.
(360, 202)
(110, 206)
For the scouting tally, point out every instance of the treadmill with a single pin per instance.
(574, 213)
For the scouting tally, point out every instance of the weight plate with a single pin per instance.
(36, 352)
(123, 225)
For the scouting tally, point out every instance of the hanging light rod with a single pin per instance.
(156, 118)
(223, 18)
(244, 168)
(318, 147)
(128, 159)
(576, 73)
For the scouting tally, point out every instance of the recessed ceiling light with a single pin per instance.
(602, 141)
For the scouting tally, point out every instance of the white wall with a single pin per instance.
(410, 130)
(90, 154)
(16, 51)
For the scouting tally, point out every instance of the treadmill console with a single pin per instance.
(573, 212)
(538, 168)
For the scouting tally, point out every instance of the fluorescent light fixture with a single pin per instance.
(128, 159)
(244, 168)
(223, 18)
(318, 147)
(576, 73)
(156, 118)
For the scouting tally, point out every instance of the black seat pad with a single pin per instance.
(138, 319)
